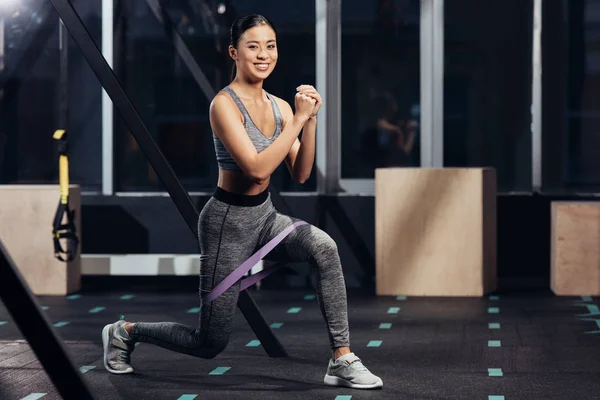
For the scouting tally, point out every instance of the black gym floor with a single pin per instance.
(505, 346)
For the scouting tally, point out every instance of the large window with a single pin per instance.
(30, 102)
(487, 88)
(384, 91)
(380, 86)
(172, 104)
(582, 166)
(571, 110)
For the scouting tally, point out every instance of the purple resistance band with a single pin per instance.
(247, 265)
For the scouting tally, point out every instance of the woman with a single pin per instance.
(253, 133)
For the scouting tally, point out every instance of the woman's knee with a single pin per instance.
(210, 348)
(328, 244)
(322, 245)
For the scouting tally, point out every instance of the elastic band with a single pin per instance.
(247, 265)
(242, 200)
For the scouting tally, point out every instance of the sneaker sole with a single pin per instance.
(335, 381)
(105, 340)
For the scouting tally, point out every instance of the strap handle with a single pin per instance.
(60, 230)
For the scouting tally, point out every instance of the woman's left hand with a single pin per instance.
(310, 91)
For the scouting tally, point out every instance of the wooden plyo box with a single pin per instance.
(26, 217)
(435, 231)
(575, 248)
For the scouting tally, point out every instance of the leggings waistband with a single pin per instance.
(243, 200)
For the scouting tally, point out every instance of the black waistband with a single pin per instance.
(244, 200)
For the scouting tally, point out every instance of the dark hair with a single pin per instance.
(242, 25)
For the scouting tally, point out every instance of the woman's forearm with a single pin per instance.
(306, 152)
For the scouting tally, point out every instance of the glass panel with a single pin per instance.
(172, 105)
(487, 88)
(85, 104)
(380, 86)
(29, 100)
(583, 82)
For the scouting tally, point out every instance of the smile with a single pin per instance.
(262, 66)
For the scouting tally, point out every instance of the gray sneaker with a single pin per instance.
(349, 371)
(117, 348)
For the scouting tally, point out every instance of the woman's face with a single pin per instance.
(256, 53)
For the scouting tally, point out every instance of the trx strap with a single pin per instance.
(60, 230)
(247, 265)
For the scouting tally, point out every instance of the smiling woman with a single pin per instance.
(253, 133)
(249, 46)
(265, 131)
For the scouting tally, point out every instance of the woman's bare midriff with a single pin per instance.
(237, 182)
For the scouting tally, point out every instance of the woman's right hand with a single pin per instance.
(304, 105)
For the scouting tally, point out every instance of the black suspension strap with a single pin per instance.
(62, 230)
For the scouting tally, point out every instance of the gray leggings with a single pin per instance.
(231, 228)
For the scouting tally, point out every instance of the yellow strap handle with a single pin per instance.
(58, 134)
(63, 169)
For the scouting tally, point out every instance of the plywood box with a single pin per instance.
(435, 231)
(26, 217)
(575, 248)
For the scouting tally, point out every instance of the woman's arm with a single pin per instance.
(231, 131)
(301, 157)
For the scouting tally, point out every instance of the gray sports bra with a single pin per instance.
(260, 141)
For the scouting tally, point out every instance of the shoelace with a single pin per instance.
(124, 356)
(358, 365)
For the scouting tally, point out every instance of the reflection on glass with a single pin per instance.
(172, 104)
(380, 86)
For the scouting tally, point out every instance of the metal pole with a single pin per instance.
(43, 339)
(107, 105)
(536, 107)
(63, 81)
(321, 70)
(432, 83)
